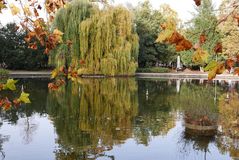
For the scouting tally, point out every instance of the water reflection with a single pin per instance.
(101, 118)
(93, 115)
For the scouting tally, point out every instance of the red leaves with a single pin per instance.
(5, 103)
(230, 63)
(183, 45)
(202, 38)
(36, 12)
(33, 46)
(218, 48)
(55, 85)
(197, 2)
(82, 62)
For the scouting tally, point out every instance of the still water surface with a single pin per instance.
(121, 119)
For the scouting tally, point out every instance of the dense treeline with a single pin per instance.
(14, 52)
(117, 40)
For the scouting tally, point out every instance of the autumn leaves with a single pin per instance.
(38, 29)
(5, 103)
(171, 36)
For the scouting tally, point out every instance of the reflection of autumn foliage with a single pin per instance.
(228, 120)
(229, 114)
(93, 115)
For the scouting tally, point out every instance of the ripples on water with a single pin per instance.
(122, 119)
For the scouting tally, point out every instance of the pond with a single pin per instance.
(123, 119)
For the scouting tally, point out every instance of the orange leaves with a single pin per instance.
(33, 46)
(197, 2)
(82, 62)
(49, 40)
(5, 103)
(38, 30)
(171, 36)
(218, 48)
(236, 71)
(53, 5)
(200, 56)
(183, 45)
(180, 42)
(229, 64)
(55, 85)
(202, 38)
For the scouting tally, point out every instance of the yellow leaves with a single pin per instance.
(2, 5)
(214, 68)
(58, 35)
(14, 9)
(54, 73)
(210, 66)
(24, 98)
(27, 11)
(168, 29)
(200, 56)
(164, 35)
(10, 85)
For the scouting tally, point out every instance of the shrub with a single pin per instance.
(4, 72)
(153, 70)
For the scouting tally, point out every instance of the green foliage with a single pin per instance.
(203, 22)
(4, 72)
(15, 54)
(153, 70)
(104, 39)
(148, 27)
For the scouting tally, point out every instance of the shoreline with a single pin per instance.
(179, 75)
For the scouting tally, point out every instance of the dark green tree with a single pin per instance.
(148, 27)
(15, 52)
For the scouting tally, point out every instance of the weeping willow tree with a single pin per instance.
(103, 40)
(93, 111)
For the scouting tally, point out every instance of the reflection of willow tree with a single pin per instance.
(198, 104)
(93, 115)
(155, 116)
(229, 122)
